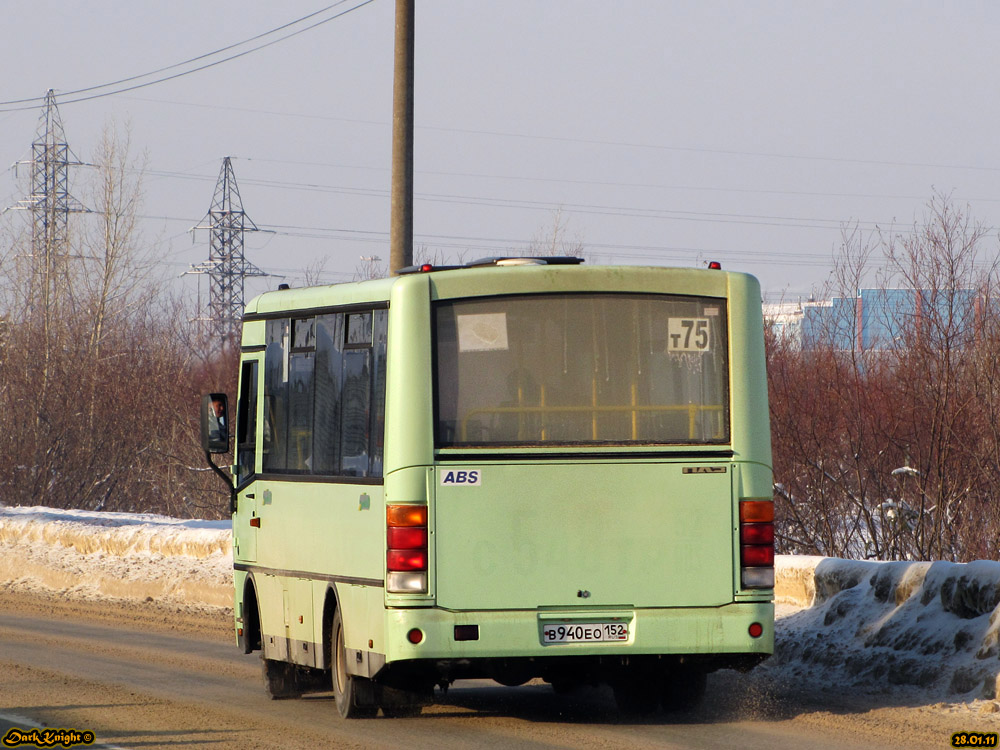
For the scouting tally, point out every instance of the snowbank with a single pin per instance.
(929, 627)
(118, 555)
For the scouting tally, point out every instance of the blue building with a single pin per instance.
(878, 319)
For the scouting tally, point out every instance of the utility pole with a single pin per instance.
(401, 220)
(227, 267)
(50, 205)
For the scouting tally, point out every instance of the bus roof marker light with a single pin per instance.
(715, 265)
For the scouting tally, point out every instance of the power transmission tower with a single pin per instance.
(227, 267)
(50, 205)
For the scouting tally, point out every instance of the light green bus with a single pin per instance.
(515, 469)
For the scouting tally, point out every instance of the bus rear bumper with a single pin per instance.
(471, 644)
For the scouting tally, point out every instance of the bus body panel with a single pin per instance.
(518, 633)
(318, 536)
(319, 528)
(584, 533)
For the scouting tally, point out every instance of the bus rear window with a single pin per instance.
(580, 369)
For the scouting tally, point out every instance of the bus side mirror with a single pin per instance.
(215, 423)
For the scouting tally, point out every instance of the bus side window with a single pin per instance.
(324, 394)
(329, 380)
(276, 396)
(378, 393)
(246, 423)
(301, 395)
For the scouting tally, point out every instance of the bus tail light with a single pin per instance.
(406, 549)
(757, 544)
(406, 559)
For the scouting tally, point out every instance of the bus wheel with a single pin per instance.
(400, 703)
(682, 690)
(354, 695)
(280, 679)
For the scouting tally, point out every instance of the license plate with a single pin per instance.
(585, 632)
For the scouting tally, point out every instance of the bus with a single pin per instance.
(516, 469)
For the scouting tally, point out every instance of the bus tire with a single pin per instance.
(402, 702)
(354, 695)
(280, 680)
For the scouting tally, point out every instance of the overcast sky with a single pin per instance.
(660, 133)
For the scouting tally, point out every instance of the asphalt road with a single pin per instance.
(137, 684)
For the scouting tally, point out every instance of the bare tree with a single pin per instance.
(110, 421)
(371, 267)
(556, 241)
(883, 443)
(116, 262)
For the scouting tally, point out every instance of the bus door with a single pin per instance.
(246, 521)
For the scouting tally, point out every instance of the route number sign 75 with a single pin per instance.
(688, 335)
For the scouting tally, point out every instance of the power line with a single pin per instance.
(581, 208)
(4, 106)
(594, 141)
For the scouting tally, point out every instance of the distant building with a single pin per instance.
(877, 319)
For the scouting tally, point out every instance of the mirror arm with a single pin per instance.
(227, 480)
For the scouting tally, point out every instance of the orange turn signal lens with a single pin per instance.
(406, 515)
(756, 511)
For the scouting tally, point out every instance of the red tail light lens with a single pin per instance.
(757, 543)
(406, 559)
(403, 537)
(757, 556)
(757, 533)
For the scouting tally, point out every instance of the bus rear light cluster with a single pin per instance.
(757, 544)
(406, 549)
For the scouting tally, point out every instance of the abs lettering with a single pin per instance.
(461, 477)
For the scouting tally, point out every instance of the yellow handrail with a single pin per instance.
(594, 410)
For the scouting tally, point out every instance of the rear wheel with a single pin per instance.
(280, 680)
(354, 695)
(402, 703)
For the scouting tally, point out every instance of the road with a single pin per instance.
(141, 676)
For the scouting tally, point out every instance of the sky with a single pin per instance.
(653, 133)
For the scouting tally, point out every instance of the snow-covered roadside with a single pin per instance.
(82, 554)
(932, 629)
(927, 628)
